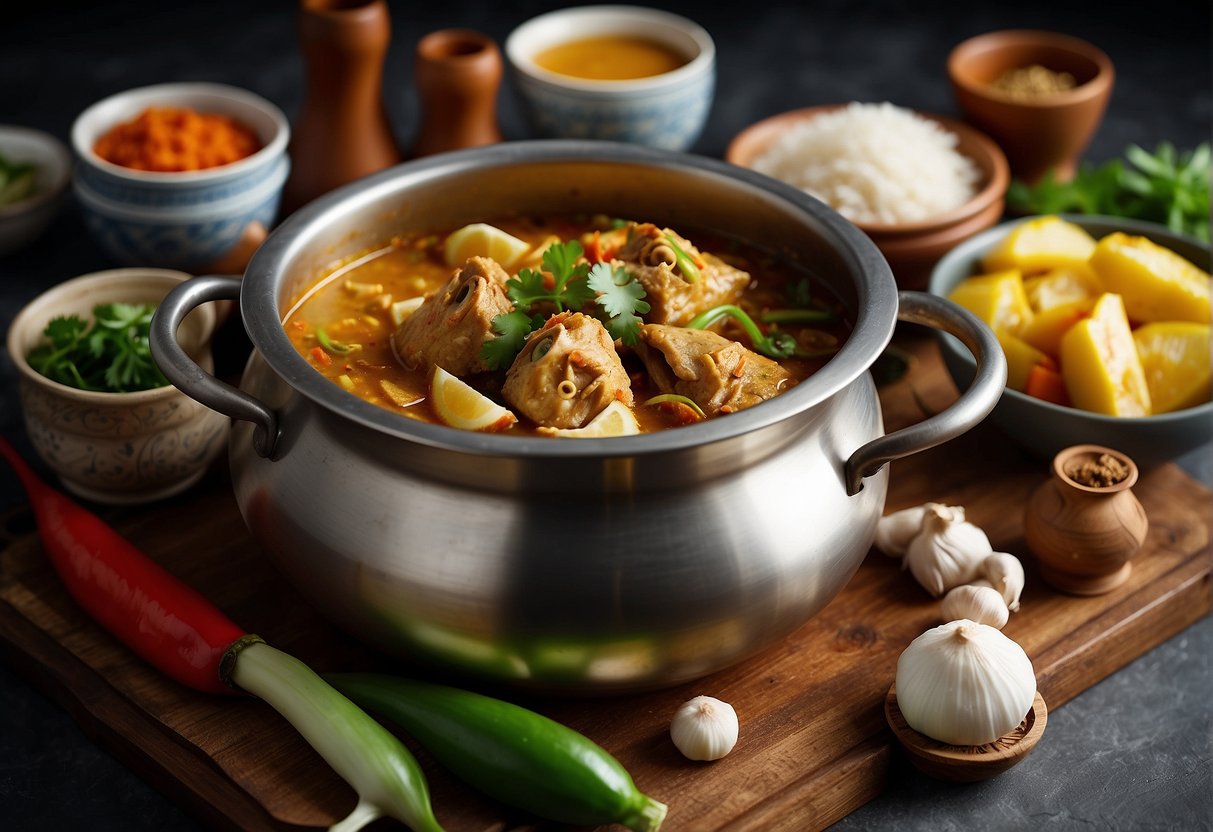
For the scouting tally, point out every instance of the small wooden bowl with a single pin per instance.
(966, 763)
(911, 248)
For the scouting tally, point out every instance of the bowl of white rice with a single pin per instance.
(916, 183)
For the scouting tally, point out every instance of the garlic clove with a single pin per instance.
(964, 683)
(1005, 573)
(983, 604)
(948, 551)
(895, 531)
(704, 728)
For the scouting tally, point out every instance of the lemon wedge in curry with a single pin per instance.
(616, 419)
(480, 239)
(460, 405)
(1175, 356)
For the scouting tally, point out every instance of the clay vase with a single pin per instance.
(342, 132)
(458, 73)
(1083, 536)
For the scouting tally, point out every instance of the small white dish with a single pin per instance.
(24, 221)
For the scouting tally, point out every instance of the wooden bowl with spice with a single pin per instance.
(916, 183)
(1040, 95)
(179, 175)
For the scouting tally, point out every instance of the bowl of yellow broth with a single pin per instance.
(618, 73)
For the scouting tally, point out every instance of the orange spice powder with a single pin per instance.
(176, 139)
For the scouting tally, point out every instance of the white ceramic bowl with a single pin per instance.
(23, 222)
(666, 111)
(1044, 428)
(118, 448)
(182, 220)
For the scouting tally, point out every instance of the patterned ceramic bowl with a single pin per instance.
(181, 220)
(117, 448)
(667, 110)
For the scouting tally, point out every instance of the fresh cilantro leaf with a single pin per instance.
(527, 289)
(110, 355)
(621, 297)
(512, 329)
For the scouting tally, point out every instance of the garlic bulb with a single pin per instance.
(964, 683)
(982, 604)
(895, 531)
(948, 550)
(704, 728)
(1005, 573)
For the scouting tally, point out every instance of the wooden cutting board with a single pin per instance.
(814, 744)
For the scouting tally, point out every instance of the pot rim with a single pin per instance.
(875, 313)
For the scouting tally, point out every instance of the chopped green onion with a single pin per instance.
(674, 397)
(775, 345)
(334, 347)
(690, 272)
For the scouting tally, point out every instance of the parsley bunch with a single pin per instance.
(1165, 187)
(111, 355)
(571, 285)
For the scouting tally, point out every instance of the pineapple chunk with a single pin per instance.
(998, 299)
(1041, 244)
(1059, 287)
(1155, 282)
(1045, 330)
(1176, 358)
(1021, 358)
(1100, 365)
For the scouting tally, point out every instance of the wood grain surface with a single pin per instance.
(814, 743)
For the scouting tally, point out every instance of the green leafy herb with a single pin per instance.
(112, 355)
(568, 287)
(513, 328)
(621, 298)
(1165, 186)
(16, 180)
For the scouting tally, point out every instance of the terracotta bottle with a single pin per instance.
(458, 73)
(342, 132)
(1084, 535)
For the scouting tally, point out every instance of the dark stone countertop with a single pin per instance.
(1133, 752)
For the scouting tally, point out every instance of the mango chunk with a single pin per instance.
(1046, 328)
(1156, 283)
(998, 299)
(1099, 362)
(1059, 287)
(1176, 358)
(1021, 358)
(1041, 244)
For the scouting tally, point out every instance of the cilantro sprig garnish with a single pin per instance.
(621, 298)
(565, 282)
(111, 355)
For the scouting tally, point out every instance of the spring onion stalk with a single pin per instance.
(385, 774)
(690, 272)
(674, 397)
(335, 347)
(775, 345)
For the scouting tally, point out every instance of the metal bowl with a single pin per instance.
(590, 565)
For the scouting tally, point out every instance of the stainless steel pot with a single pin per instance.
(589, 565)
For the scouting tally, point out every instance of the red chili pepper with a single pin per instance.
(157, 616)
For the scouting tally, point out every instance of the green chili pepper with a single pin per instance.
(798, 316)
(775, 345)
(513, 754)
(674, 397)
(690, 272)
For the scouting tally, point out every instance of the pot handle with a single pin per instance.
(965, 413)
(191, 379)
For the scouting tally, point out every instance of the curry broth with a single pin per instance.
(350, 306)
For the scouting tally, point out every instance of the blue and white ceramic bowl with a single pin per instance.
(180, 220)
(666, 111)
